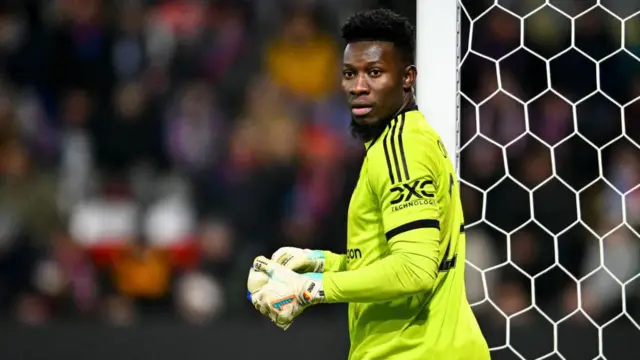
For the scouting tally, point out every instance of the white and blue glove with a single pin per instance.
(286, 294)
(300, 260)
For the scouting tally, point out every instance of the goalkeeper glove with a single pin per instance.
(286, 294)
(300, 260)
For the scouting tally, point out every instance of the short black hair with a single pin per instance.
(382, 25)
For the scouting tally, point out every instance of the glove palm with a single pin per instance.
(287, 294)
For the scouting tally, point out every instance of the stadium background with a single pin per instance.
(150, 149)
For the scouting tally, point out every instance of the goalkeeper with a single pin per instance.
(403, 271)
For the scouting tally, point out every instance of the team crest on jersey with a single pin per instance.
(442, 149)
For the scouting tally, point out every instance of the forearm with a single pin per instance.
(334, 262)
(411, 269)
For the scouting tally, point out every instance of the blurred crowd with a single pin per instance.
(551, 163)
(150, 149)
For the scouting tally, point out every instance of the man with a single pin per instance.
(403, 271)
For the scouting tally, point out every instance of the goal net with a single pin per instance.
(550, 175)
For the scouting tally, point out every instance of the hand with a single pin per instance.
(286, 294)
(300, 260)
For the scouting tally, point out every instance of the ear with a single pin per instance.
(409, 77)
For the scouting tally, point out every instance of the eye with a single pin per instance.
(348, 74)
(375, 72)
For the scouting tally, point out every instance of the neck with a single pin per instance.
(409, 104)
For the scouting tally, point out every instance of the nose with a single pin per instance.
(359, 86)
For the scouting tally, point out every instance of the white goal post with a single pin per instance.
(600, 315)
(437, 58)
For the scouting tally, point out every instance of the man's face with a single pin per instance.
(373, 81)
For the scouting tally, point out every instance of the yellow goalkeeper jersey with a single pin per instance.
(403, 271)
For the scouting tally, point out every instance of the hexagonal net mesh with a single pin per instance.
(550, 175)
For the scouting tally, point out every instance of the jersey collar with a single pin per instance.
(411, 107)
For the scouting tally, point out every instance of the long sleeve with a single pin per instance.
(409, 197)
(411, 268)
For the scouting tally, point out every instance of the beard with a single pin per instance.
(367, 132)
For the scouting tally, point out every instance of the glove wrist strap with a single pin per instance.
(313, 290)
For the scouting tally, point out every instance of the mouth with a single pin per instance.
(361, 110)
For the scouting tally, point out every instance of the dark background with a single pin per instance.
(149, 150)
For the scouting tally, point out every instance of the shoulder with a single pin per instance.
(409, 148)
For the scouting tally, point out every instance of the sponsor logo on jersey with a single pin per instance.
(415, 193)
(353, 254)
(413, 203)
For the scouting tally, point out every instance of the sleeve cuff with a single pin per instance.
(333, 262)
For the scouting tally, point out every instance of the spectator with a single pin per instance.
(302, 57)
